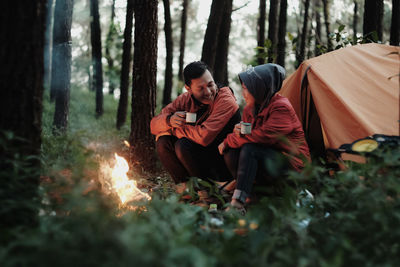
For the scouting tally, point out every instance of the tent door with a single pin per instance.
(311, 121)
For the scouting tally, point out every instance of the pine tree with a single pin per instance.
(144, 83)
(126, 66)
(95, 36)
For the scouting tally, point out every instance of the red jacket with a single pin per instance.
(276, 126)
(207, 127)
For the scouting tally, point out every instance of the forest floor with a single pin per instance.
(90, 144)
(351, 219)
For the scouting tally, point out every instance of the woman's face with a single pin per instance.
(249, 98)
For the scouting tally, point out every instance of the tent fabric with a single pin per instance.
(355, 91)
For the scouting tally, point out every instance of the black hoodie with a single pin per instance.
(263, 82)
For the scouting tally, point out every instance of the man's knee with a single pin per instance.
(184, 148)
(165, 144)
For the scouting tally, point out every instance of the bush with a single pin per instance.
(351, 218)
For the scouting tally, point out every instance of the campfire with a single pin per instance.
(115, 180)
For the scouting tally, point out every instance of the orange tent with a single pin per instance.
(346, 95)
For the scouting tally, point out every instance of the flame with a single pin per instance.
(127, 143)
(125, 188)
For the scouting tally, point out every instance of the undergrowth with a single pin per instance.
(347, 218)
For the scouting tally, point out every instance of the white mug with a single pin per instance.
(245, 127)
(190, 117)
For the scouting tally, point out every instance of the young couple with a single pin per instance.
(213, 147)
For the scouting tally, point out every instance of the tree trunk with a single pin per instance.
(183, 38)
(318, 43)
(95, 36)
(282, 34)
(61, 70)
(169, 54)
(261, 31)
(109, 44)
(221, 60)
(308, 49)
(395, 25)
(126, 66)
(373, 16)
(48, 43)
(327, 24)
(144, 83)
(211, 36)
(355, 21)
(301, 54)
(272, 28)
(21, 94)
(90, 78)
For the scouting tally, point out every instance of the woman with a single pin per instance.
(276, 132)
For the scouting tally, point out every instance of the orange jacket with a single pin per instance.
(207, 126)
(276, 126)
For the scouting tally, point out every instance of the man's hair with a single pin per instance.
(194, 70)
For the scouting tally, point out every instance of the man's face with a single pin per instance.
(203, 88)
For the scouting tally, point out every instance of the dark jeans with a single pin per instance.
(183, 158)
(254, 162)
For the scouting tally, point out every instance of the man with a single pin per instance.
(191, 150)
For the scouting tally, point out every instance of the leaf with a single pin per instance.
(337, 37)
(341, 28)
(267, 43)
(374, 36)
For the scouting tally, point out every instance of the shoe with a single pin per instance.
(180, 188)
(229, 187)
(203, 194)
(236, 205)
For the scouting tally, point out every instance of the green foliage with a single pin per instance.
(113, 47)
(351, 218)
(263, 52)
(19, 177)
(340, 38)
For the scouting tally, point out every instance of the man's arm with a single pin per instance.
(205, 133)
(163, 123)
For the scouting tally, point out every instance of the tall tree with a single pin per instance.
(326, 4)
(261, 31)
(144, 83)
(301, 53)
(308, 48)
(221, 57)
(21, 83)
(48, 43)
(89, 68)
(169, 46)
(373, 17)
(183, 38)
(272, 28)
(281, 54)
(95, 36)
(112, 31)
(395, 24)
(355, 21)
(211, 36)
(318, 43)
(61, 63)
(126, 66)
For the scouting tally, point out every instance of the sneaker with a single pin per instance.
(180, 188)
(238, 206)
